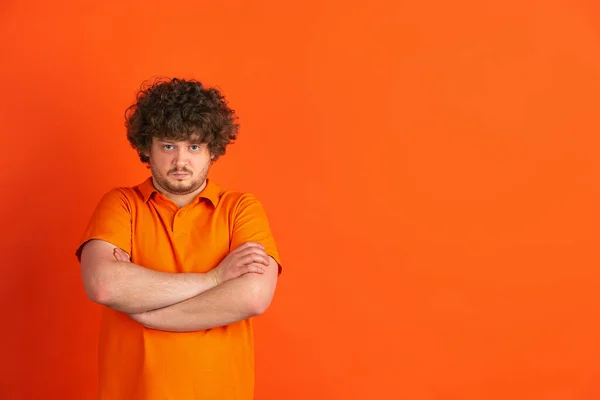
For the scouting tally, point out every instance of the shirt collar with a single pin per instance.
(211, 191)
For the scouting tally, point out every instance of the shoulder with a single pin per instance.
(236, 202)
(235, 197)
(124, 195)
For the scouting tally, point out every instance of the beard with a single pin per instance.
(179, 187)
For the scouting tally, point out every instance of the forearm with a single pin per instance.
(131, 288)
(232, 301)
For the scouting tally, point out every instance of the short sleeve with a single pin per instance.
(110, 221)
(252, 225)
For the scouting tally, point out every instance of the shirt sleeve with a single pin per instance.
(110, 221)
(252, 225)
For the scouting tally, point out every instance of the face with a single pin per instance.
(179, 168)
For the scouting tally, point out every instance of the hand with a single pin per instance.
(249, 257)
(121, 255)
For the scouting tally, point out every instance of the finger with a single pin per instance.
(256, 268)
(255, 258)
(124, 253)
(248, 257)
(248, 245)
(121, 255)
(252, 251)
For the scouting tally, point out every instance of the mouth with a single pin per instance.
(180, 175)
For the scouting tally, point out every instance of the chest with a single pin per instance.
(179, 240)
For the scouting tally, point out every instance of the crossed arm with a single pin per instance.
(240, 287)
(234, 300)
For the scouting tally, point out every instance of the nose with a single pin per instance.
(180, 159)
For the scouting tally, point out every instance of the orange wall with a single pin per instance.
(430, 169)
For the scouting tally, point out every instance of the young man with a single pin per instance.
(180, 264)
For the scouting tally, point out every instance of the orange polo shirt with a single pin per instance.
(140, 363)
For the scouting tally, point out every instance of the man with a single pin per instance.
(180, 264)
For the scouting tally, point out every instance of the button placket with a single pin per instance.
(177, 223)
(179, 228)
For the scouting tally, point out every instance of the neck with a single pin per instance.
(180, 199)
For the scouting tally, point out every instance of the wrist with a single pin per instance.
(211, 277)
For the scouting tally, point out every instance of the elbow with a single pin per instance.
(260, 300)
(258, 307)
(95, 283)
(98, 294)
(97, 291)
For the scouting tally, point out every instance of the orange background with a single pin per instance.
(430, 170)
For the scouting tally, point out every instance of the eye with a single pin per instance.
(168, 147)
(195, 147)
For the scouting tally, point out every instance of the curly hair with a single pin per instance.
(176, 109)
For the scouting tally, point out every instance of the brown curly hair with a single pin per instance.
(175, 109)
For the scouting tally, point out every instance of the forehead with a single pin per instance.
(193, 139)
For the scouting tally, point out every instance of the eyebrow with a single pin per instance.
(195, 142)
